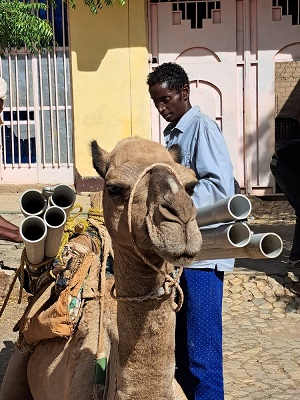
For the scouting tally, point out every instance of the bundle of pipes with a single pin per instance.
(45, 215)
(233, 238)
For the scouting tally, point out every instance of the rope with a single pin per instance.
(155, 294)
(97, 215)
(9, 291)
(20, 273)
(72, 227)
(34, 269)
(170, 282)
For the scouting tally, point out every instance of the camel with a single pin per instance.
(152, 225)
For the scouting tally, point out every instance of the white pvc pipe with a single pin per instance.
(33, 231)
(225, 236)
(33, 202)
(55, 219)
(269, 245)
(261, 245)
(234, 208)
(64, 197)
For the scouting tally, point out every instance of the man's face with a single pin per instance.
(171, 104)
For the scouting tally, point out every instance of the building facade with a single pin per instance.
(243, 62)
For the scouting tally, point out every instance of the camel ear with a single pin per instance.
(175, 151)
(100, 159)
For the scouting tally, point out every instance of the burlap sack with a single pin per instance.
(47, 318)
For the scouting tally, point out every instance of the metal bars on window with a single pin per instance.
(289, 7)
(37, 111)
(193, 10)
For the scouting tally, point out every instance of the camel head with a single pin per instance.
(146, 200)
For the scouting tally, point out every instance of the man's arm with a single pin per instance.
(213, 166)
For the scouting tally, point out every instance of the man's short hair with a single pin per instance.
(171, 73)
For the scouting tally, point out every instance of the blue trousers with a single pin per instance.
(199, 359)
(289, 182)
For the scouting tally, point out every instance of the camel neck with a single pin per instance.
(146, 332)
(133, 276)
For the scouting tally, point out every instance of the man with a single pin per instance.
(285, 167)
(199, 364)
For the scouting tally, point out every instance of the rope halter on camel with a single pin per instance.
(172, 279)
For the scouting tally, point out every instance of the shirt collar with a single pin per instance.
(181, 125)
(185, 120)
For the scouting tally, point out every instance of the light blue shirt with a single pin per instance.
(204, 150)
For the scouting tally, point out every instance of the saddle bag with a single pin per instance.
(56, 309)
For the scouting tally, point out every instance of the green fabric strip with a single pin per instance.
(100, 372)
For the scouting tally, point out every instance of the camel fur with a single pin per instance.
(151, 221)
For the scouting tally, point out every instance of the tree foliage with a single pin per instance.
(20, 26)
(96, 5)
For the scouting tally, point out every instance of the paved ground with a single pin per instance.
(261, 315)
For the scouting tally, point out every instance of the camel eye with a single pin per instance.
(189, 188)
(117, 190)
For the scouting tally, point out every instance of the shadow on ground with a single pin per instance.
(270, 266)
(277, 268)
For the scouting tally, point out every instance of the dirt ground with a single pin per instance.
(271, 212)
(266, 216)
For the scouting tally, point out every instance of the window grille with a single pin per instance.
(289, 7)
(195, 10)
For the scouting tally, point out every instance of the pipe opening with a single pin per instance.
(240, 206)
(33, 229)
(61, 201)
(239, 234)
(55, 217)
(63, 196)
(33, 202)
(271, 245)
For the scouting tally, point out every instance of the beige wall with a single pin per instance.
(287, 89)
(109, 67)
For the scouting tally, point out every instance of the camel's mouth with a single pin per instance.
(176, 244)
(180, 260)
